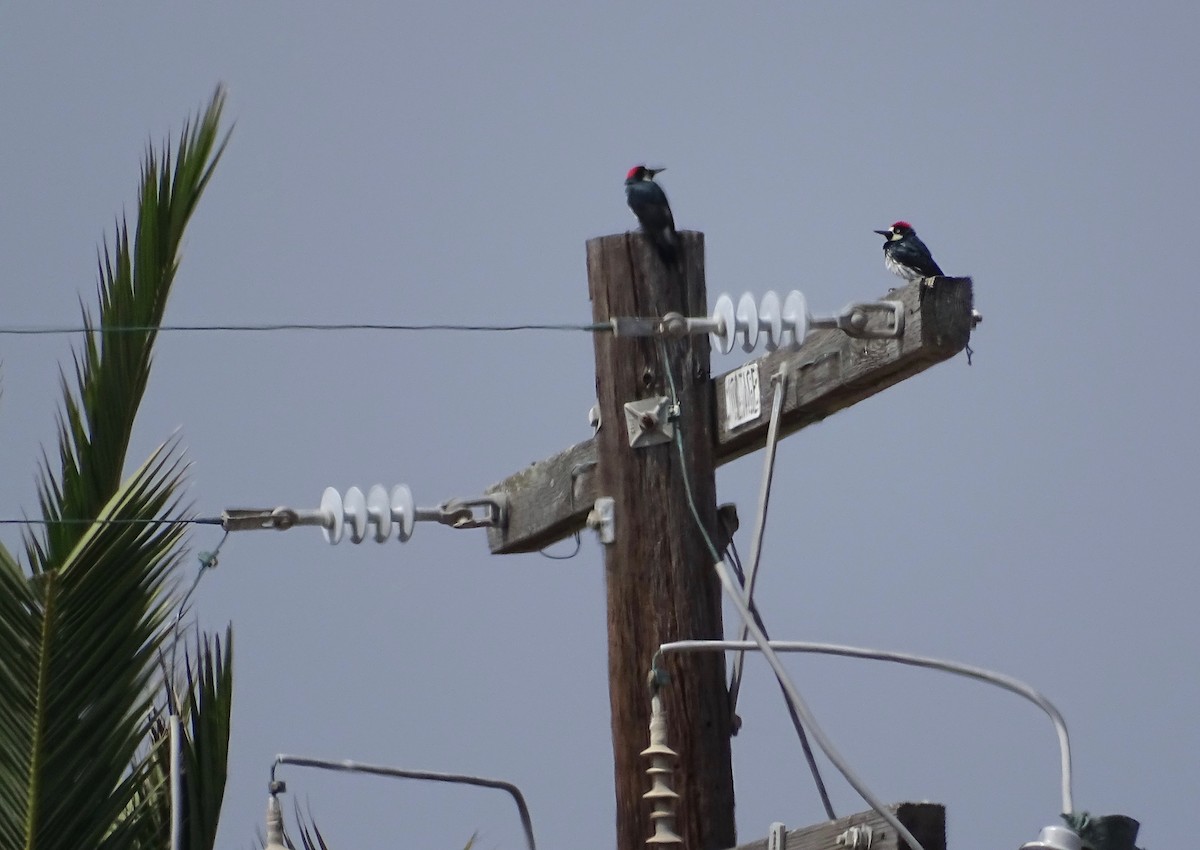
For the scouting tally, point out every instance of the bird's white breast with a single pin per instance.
(898, 269)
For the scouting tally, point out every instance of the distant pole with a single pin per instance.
(661, 585)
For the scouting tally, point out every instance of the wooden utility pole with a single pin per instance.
(661, 585)
(660, 581)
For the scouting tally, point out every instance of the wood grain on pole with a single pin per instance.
(659, 575)
(550, 499)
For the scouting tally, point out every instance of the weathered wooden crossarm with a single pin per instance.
(547, 501)
(926, 821)
(831, 371)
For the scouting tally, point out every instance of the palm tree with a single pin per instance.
(88, 613)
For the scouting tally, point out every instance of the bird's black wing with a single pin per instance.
(649, 203)
(917, 256)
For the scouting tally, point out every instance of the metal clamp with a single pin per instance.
(461, 513)
(602, 518)
(862, 320)
(857, 838)
(650, 421)
(777, 836)
(280, 519)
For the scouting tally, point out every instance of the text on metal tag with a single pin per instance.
(743, 398)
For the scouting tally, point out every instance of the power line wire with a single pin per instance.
(970, 671)
(792, 695)
(794, 711)
(80, 521)
(806, 715)
(683, 465)
(44, 330)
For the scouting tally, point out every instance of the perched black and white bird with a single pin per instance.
(905, 254)
(649, 203)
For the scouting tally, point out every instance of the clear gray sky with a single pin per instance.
(445, 163)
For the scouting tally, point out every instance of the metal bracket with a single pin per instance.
(280, 519)
(632, 326)
(602, 519)
(867, 320)
(461, 513)
(777, 837)
(857, 838)
(649, 421)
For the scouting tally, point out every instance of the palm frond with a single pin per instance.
(81, 633)
(204, 711)
(86, 641)
(310, 834)
(207, 711)
(101, 399)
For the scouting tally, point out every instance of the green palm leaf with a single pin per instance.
(83, 620)
(205, 711)
(111, 372)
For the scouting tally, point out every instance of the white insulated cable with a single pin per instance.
(806, 716)
(764, 499)
(981, 674)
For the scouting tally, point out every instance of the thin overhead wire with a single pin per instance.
(683, 466)
(81, 521)
(733, 591)
(270, 327)
(764, 501)
(735, 560)
(793, 710)
(545, 553)
(349, 766)
(981, 674)
(809, 758)
(208, 561)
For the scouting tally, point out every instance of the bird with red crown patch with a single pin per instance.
(905, 255)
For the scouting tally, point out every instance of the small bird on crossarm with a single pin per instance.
(906, 256)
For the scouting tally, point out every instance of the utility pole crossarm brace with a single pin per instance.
(551, 499)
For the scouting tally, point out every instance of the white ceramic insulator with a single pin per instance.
(723, 315)
(404, 511)
(662, 796)
(795, 320)
(770, 319)
(747, 321)
(332, 516)
(354, 505)
(379, 512)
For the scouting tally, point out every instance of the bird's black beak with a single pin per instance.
(653, 171)
(884, 233)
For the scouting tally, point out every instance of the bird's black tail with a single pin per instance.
(666, 245)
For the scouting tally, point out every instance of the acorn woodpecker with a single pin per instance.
(904, 253)
(649, 203)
